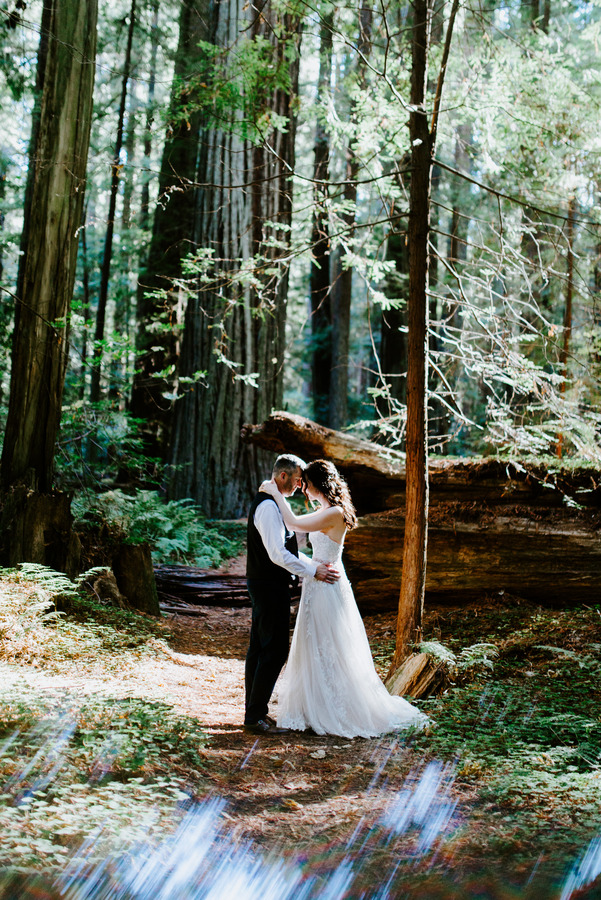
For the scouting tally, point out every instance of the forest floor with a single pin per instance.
(500, 798)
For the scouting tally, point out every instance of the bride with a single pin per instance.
(330, 684)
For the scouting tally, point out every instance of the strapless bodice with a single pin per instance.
(325, 549)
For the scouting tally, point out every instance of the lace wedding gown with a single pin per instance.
(330, 683)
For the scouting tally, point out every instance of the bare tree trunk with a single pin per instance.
(234, 332)
(54, 199)
(320, 284)
(172, 239)
(105, 271)
(154, 45)
(87, 312)
(423, 142)
(342, 280)
(567, 318)
(413, 582)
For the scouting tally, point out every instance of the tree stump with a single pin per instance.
(418, 677)
(132, 565)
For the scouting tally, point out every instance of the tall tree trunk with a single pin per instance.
(87, 312)
(105, 270)
(125, 263)
(172, 236)
(423, 142)
(234, 332)
(567, 317)
(52, 216)
(320, 284)
(342, 280)
(144, 218)
(393, 323)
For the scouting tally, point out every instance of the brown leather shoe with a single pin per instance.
(263, 727)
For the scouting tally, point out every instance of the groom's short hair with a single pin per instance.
(288, 463)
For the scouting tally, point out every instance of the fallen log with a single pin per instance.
(548, 555)
(376, 475)
(183, 586)
(200, 587)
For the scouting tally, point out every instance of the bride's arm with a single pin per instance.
(315, 521)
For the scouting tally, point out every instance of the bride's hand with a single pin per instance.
(269, 487)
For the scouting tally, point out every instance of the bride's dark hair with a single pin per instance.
(325, 478)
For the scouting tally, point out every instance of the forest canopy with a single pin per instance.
(242, 243)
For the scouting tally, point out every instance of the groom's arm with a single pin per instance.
(270, 525)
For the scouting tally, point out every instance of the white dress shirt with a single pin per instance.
(270, 525)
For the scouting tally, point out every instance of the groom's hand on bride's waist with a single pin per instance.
(326, 572)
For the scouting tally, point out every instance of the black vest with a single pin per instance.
(258, 563)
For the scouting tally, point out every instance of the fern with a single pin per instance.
(477, 655)
(176, 530)
(55, 582)
(439, 652)
(470, 658)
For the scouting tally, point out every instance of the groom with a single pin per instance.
(273, 561)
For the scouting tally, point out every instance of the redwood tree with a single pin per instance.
(157, 340)
(423, 141)
(53, 209)
(235, 321)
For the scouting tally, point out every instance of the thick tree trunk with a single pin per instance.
(172, 238)
(320, 282)
(234, 332)
(413, 582)
(53, 209)
(105, 271)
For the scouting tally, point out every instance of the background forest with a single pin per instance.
(243, 242)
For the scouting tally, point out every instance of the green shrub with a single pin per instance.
(175, 530)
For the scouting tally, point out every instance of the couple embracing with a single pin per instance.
(330, 685)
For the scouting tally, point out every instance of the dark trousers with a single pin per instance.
(268, 647)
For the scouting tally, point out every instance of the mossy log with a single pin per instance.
(376, 475)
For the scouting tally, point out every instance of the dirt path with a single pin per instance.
(294, 785)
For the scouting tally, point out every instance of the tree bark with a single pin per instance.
(567, 317)
(144, 218)
(342, 278)
(235, 331)
(55, 193)
(157, 352)
(105, 271)
(320, 281)
(413, 582)
(376, 476)
(132, 565)
(544, 554)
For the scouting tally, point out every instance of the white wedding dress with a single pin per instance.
(330, 683)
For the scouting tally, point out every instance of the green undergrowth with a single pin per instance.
(48, 620)
(176, 530)
(71, 768)
(77, 762)
(527, 730)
